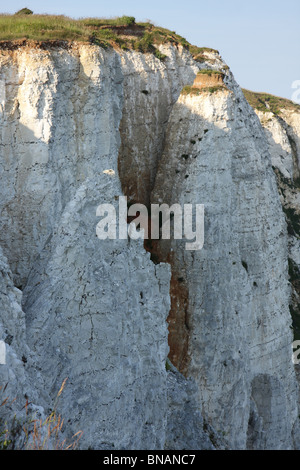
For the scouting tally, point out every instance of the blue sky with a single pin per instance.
(259, 39)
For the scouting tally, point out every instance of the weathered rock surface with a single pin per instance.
(186, 427)
(15, 387)
(150, 90)
(95, 311)
(283, 134)
(237, 284)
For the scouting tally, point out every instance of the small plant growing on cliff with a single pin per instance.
(30, 433)
(189, 90)
(47, 434)
(159, 55)
(145, 44)
(195, 50)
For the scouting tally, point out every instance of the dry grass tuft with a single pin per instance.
(30, 433)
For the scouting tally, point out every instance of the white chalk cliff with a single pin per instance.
(282, 129)
(106, 314)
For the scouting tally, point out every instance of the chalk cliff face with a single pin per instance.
(282, 130)
(241, 271)
(95, 310)
(107, 313)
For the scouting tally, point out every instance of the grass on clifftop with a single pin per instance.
(269, 103)
(122, 32)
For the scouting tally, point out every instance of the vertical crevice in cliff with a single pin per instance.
(178, 318)
(137, 184)
(148, 103)
(142, 130)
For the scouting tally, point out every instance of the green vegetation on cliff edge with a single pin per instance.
(122, 32)
(269, 103)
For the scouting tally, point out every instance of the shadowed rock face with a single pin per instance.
(79, 128)
(283, 135)
(150, 88)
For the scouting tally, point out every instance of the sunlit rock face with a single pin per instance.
(94, 310)
(81, 127)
